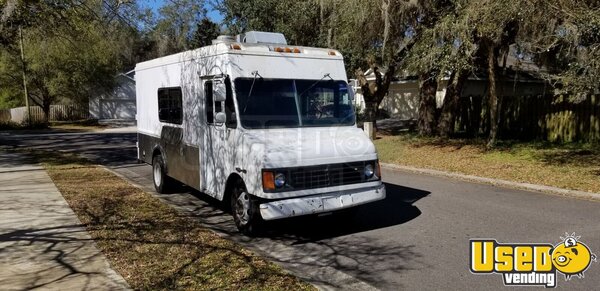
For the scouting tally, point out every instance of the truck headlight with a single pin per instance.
(279, 180)
(273, 180)
(369, 171)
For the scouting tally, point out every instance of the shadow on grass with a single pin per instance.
(396, 126)
(52, 159)
(579, 158)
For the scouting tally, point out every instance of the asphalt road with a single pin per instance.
(417, 238)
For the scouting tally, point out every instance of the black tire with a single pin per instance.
(244, 208)
(162, 183)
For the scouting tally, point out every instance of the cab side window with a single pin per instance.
(214, 88)
(229, 105)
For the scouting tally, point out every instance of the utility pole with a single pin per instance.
(23, 69)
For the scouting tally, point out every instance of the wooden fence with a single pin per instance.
(57, 113)
(552, 118)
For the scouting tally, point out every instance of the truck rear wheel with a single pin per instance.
(244, 208)
(162, 182)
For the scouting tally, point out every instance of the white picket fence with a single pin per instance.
(57, 113)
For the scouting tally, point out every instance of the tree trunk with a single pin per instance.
(374, 91)
(447, 118)
(493, 95)
(427, 104)
(46, 108)
(385, 11)
(370, 111)
(24, 72)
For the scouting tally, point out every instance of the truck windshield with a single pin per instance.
(276, 103)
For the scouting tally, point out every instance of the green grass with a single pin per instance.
(150, 244)
(572, 166)
(79, 125)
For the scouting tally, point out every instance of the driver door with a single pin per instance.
(214, 150)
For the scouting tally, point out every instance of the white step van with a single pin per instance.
(255, 122)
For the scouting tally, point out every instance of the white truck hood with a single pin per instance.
(292, 147)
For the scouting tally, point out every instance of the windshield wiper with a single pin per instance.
(315, 83)
(255, 74)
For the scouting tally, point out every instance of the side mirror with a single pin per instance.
(219, 90)
(220, 118)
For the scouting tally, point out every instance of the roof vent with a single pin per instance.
(262, 37)
(223, 39)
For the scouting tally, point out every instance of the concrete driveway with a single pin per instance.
(417, 238)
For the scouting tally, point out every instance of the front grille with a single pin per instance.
(321, 176)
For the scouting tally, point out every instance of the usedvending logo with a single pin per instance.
(531, 264)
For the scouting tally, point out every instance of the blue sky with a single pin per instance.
(156, 4)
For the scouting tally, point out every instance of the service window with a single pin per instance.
(169, 105)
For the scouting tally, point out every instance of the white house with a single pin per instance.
(118, 104)
(402, 101)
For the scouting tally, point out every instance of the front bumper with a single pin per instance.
(320, 203)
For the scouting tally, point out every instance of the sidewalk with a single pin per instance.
(42, 243)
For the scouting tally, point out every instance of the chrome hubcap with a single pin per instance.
(157, 174)
(242, 209)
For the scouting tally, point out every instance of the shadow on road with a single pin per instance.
(396, 208)
(109, 149)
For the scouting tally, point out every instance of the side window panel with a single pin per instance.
(169, 105)
(208, 97)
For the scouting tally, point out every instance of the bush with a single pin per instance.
(9, 125)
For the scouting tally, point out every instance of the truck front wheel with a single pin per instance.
(245, 210)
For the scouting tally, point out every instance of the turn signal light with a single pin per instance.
(268, 180)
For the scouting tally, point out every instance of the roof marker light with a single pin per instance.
(235, 46)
